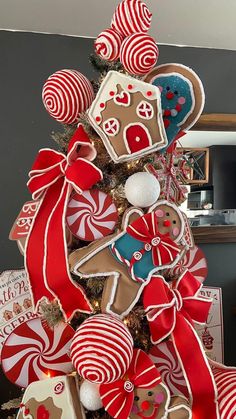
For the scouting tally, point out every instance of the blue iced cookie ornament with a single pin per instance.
(182, 97)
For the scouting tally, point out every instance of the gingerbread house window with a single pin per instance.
(111, 127)
(145, 110)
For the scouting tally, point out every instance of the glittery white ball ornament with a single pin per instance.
(89, 395)
(142, 189)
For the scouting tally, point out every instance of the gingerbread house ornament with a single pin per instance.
(127, 115)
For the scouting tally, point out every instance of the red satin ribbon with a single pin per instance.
(118, 397)
(173, 311)
(164, 250)
(52, 178)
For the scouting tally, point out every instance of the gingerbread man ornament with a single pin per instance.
(147, 244)
(141, 394)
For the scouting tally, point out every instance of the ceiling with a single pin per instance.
(205, 23)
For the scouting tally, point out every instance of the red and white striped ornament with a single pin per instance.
(225, 379)
(34, 351)
(131, 16)
(66, 94)
(164, 357)
(194, 260)
(102, 349)
(91, 215)
(139, 53)
(108, 44)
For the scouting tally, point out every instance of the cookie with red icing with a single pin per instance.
(127, 115)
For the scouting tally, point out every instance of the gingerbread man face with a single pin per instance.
(170, 220)
(150, 403)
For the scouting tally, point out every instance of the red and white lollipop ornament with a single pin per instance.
(91, 215)
(33, 352)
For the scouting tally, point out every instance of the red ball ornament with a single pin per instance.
(131, 16)
(66, 94)
(108, 44)
(102, 349)
(139, 53)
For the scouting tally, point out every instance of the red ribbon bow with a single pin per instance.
(118, 397)
(173, 311)
(52, 178)
(164, 250)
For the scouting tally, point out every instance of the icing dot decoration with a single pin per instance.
(33, 351)
(66, 94)
(102, 349)
(139, 53)
(131, 16)
(91, 215)
(108, 44)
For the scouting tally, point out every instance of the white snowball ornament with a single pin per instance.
(142, 189)
(89, 395)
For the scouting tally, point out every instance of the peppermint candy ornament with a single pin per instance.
(91, 215)
(102, 349)
(194, 260)
(164, 357)
(131, 16)
(66, 94)
(33, 352)
(108, 44)
(139, 53)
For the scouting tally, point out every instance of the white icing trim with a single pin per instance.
(181, 406)
(125, 136)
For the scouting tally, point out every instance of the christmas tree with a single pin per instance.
(107, 248)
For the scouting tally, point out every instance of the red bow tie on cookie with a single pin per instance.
(172, 311)
(164, 250)
(52, 179)
(118, 397)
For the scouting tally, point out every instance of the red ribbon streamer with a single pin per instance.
(173, 311)
(52, 178)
